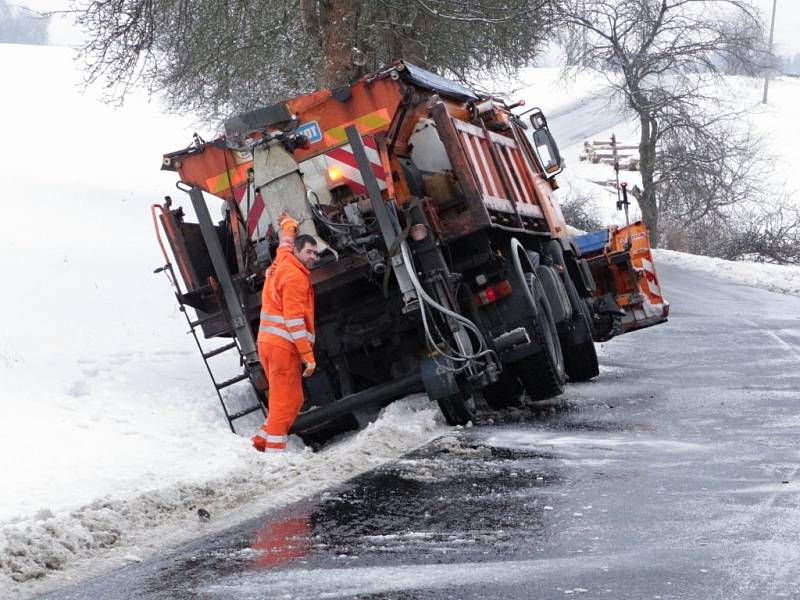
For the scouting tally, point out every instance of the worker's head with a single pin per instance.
(305, 249)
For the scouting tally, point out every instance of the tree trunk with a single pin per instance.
(338, 20)
(647, 159)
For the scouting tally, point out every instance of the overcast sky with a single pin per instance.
(787, 22)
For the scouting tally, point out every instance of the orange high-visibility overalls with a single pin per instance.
(285, 341)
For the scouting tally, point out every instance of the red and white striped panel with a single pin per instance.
(343, 159)
(650, 276)
(251, 206)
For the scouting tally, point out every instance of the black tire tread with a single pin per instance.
(580, 359)
(456, 409)
(540, 378)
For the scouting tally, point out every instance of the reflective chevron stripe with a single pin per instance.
(650, 277)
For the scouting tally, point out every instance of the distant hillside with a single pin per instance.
(19, 26)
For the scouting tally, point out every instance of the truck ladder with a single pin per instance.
(247, 358)
(223, 349)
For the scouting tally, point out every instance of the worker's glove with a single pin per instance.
(309, 369)
(309, 363)
(287, 223)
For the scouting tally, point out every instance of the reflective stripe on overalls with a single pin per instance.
(288, 329)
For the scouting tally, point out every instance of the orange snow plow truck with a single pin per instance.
(446, 266)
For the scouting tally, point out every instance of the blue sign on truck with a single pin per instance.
(311, 131)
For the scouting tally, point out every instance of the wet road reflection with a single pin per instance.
(279, 541)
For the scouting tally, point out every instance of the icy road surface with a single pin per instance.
(674, 475)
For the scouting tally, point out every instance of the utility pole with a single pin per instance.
(583, 34)
(771, 34)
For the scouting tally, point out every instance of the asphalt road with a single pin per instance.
(675, 474)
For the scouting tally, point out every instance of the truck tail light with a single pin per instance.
(493, 293)
(335, 176)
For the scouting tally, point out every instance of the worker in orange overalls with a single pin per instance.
(286, 333)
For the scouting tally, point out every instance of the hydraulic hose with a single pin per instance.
(426, 299)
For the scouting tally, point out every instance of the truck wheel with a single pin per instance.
(580, 360)
(458, 409)
(543, 375)
(504, 393)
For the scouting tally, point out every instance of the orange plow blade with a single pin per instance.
(624, 267)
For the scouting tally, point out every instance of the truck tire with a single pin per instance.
(543, 375)
(458, 409)
(504, 393)
(580, 360)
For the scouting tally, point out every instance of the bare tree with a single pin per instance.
(579, 212)
(215, 57)
(737, 59)
(660, 56)
(706, 166)
(763, 232)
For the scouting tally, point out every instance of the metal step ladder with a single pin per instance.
(221, 385)
(228, 306)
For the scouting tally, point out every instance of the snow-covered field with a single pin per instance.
(111, 436)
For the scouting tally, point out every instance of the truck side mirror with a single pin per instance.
(545, 146)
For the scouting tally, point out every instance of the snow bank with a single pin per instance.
(51, 541)
(552, 90)
(776, 123)
(778, 278)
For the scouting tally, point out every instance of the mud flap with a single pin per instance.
(439, 383)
